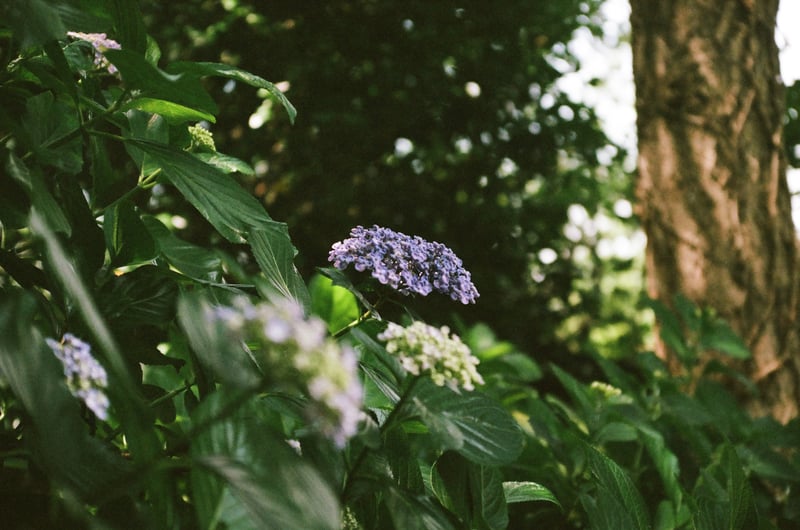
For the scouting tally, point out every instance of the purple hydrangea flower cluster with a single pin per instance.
(406, 264)
(86, 378)
(100, 42)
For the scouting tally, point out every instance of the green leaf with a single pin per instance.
(341, 279)
(50, 125)
(41, 198)
(34, 22)
(143, 125)
(236, 214)
(526, 492)
(575, 389)
(725, 498)
(450, 484)
(127, 239)
(218, 197)
(174, 113)
(237, 455)
(473, 492)
(469, 423)
(226, 163)
(670, 330)
(128, 22)
(138, 74)
(202, 69)
(615, 488)
(336, 305)
(666, 463)
(412, 511)
(195, 262)
(721, 338)
(146, 295)
(212, 344)
(274, 254)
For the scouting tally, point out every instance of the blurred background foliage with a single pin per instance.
(440, 119)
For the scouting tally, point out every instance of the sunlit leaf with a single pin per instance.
(173, 112)
(218, 197)
(226, 163)
(139, 74)
(526, 492)
(204, 69)
(336, 305)
(470, 423)
(274, 254)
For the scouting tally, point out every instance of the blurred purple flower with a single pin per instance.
(100, 43)
(86, 378)
(406, 264)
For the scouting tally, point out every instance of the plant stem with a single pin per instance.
(386, 427)
(353, 324)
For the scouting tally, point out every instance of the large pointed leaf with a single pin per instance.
(615, 488)
(526, 492)
(218, 197)
(33, 21)
(140, 75)
(126, 238)
(50, 125)
(202, 69)
(274, 254)
(173, 112)
(129, 24)
(724, 495)
(41, 198)
(473, 492)
(147, 295)
(472, 424)
(241, 464)
(335, 305)
(193, 261)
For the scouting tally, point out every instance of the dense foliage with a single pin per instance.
(437, 119)
(151, 381)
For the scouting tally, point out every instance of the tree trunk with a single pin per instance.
(711, 188)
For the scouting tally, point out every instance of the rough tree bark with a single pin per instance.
(711, 186)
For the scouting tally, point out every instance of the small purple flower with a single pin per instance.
(406, 264)
(100, 42)
(86, 378)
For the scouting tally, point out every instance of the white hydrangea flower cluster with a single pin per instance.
(424, 349)
(296, 350)
(86, 378)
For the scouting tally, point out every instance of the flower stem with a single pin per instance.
(385, 428)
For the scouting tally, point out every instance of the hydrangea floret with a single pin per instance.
(100, 42)
(86, 378)
(407, 264)
(424, 349)
(295, 350)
